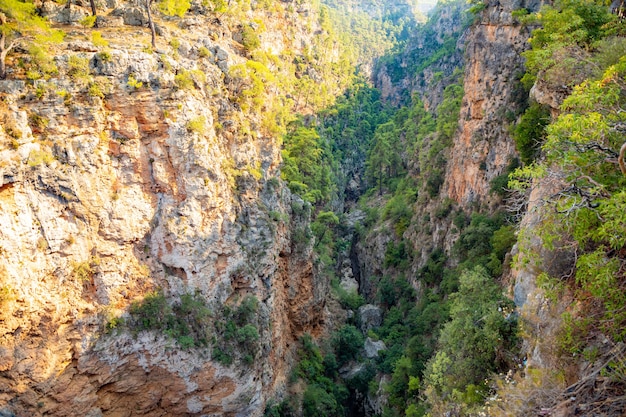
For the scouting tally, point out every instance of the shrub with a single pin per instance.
(133, 83)
(78, 67)
(203, 52)
(184, 80)
(104, 56)
(175, 43)
(98, 40)
(37, 122)
(530, 132)
(347, 343)
(42, 63)
(239, 333)
(350, 300)
(95, 90)
(479, 337)
(185, 321)
(197, 125)
(88, 21)
(250, 40)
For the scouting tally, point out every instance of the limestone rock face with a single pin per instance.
(372, 347)
(483, 146)
(371, 317)
(109, 194)
(407, 73)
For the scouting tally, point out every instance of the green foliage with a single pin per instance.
(186, 321)
(83, 271)
(197, 125)
(98, 40)
(187, 80)
(133, 83)
(568, 29)
(398, 255)
(22, 26)
(78, 67)
(530, 132)
(500, 184)
(477, 7)
(174, 7)
(100, 87)
(318, 371)
(347, 342)
(317, 401)
(482, 333)
(303, 167)
(104, 56)
(250, 39)
(237, 332)
(435, 46)
(448, 111)
(203, 52)
(399, 207)
(580, 146)
(38, 157)
(250, 83)
(37, 122)
(485, 241)
(42, 65)
(88, 21)
(432, 272)
(283, 409)
(175, 43)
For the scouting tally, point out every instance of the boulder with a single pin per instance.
(371, 316)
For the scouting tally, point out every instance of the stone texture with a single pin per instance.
(371, 317)
(121, 186)
(483, 146)
(371, 348)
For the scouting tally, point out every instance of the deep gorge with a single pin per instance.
(305, 208)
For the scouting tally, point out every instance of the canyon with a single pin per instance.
(154, 259)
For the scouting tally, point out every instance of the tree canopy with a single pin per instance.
(20, 24)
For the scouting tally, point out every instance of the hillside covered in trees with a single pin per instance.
(305, 208)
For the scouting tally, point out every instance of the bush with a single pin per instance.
(347, 343)
(530, 132)
(203, 52)
(250, 40)
(104, 56)
(184, 80)
(88, 21)
(36, 158)
(175, 43)
(480, 337)
(133, 83)
(197, 125)
(98, 40)
(350, 300)
(78, 67)
(238, 332)
(398, 255)
(185, 321)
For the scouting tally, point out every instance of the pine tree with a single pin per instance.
(168, 8)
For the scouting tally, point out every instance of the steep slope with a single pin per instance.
(493, 99)
(136, 175)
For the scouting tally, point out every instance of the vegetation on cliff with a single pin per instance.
(445, 327)
(579, 52)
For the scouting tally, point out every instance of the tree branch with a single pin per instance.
(622, 166)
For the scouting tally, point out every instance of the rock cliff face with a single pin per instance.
(429, 61)
(493, 95)
(482, 146)
(142, 185)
